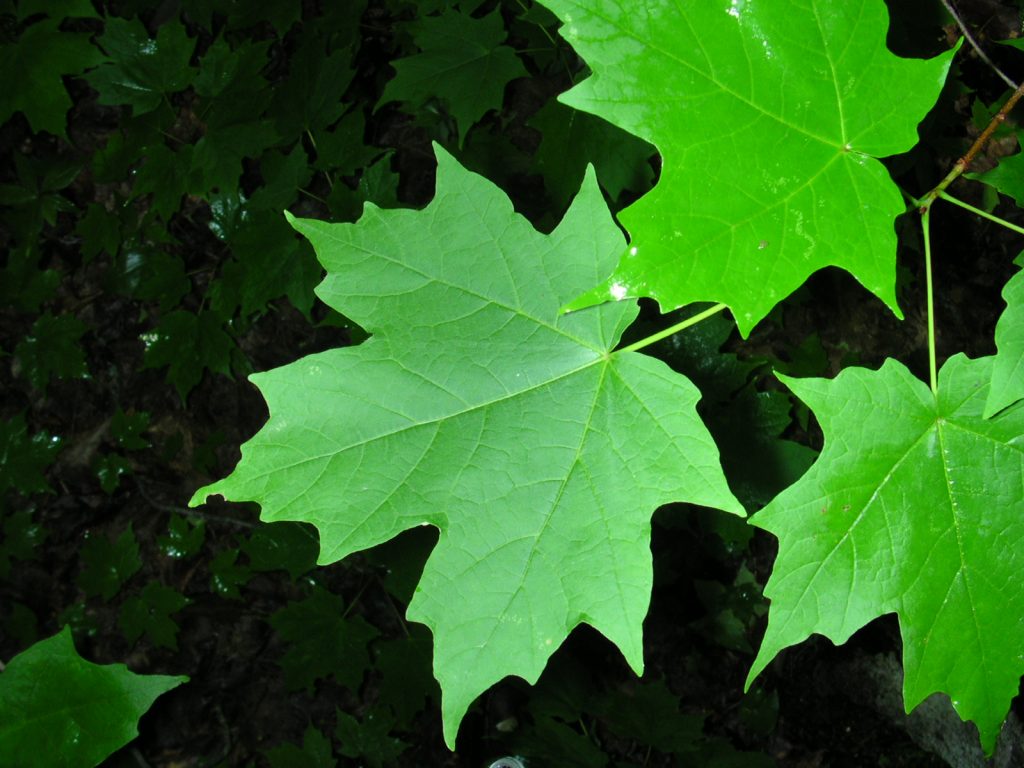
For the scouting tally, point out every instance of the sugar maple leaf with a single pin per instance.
(768, 117)
(913, 507)
(56, 708)
(1008, 368)
(478, 408)
(462, 61)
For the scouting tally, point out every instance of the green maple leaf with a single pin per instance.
(141, 70)
(188, 344)
(571, 139)
(479, 408)
(914, 507)
(1008, 369)
(32, 68)
(51, 348)
(56, 709)
(322, 641)
(1007, 177)
(768, 118)
(310, 99)
(108, 563)
(462, 61)
(149, 613)
(315, 752)
(24, 458)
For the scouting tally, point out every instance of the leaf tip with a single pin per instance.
(201, 496)
(589, 299)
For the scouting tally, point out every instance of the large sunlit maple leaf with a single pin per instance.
(536, 450)
(768, 117)
(914, 507)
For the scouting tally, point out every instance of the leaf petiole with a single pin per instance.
(984, 214)
(680, 326)
(933, 378)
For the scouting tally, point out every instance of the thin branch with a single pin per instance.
(984, 214)
(974, 44)
(964, 162)
(190, 512)
(933, 378)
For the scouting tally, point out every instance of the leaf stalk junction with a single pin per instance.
(939, 192)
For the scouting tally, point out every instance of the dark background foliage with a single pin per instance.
(147, 150)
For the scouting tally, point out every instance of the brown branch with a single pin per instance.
(964, 162)
(974, 44)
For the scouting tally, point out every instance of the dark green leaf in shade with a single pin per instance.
(22, 536)
(142, 70)
(555, 742)
(19, 623)
(315, 752)
(127, 429)
(56, 9)
(227, 214)
(310, 97)
(1008, 368)
(475, 393)
(204, 455)
(38, 196)
(234, 95)
(377, 184)
(100, 232)
(462, 62)
(83, 621)
(290, 547)
(149, 614)
(768, 124)
(24, 285)
(150, 274)
(184, 538)
(399, 561)
(406, 681)
(24, 458)
(110, 468)
(226, 575)
(1007, 177)
(165, 175)
(731, 610)
(33, 67)
(649, 713)
(226, 72)
(369, 738)
(570, 139)
(51, 349)
(913, 507)
(270, 262)
(745, 422)
(283, 175)
(342, 149)
(243, 14)
(321, 641)
(56, 709)
(188, 344)
(107, 564)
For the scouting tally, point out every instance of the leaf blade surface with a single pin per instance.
(478, 408)
(913, 507)
(768, 117)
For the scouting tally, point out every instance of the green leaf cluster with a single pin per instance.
(539, 450)
(461, 356)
